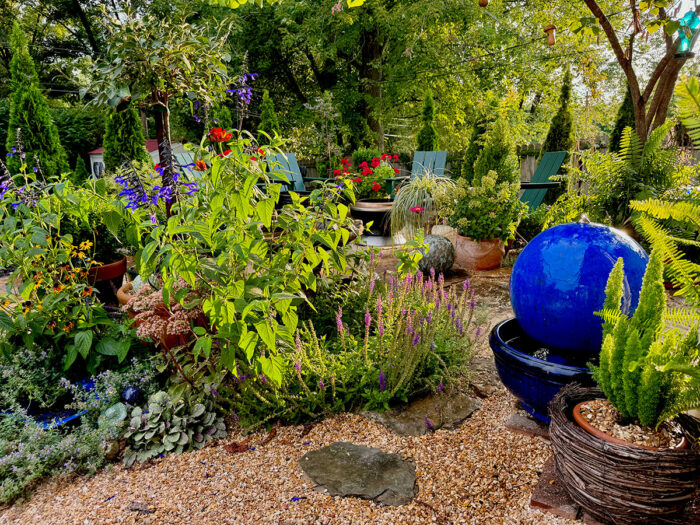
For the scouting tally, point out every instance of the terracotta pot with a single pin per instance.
(484, 255)
(124, 295)
(107, 272)
(584, 424)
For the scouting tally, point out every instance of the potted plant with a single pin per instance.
(415, 205)
(372, 184)
(625, 452)
(484, 216)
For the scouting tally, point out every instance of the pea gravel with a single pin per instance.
(479, 473)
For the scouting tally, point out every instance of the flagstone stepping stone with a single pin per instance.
(346, 469)
(437, 411)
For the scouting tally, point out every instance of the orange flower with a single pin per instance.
(87, 291)
(200, 165)
(58, 288)
(220, 135)
(67, 327)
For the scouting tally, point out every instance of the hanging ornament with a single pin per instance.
(483, 3)
(689, 25)
(551, 31)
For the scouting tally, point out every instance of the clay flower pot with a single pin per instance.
(107, 279)
(584, 424)
(376, 211)
(484, 255)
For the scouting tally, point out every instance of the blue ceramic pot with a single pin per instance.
(532, 380)
(559, 279)
(132, 395)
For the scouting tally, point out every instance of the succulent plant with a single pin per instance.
(166, 426)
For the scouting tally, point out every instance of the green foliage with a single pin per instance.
(123, 139)
(29, 112)
(560, 136)
(165, 425)
(427, 136)
(611, 180)
(409, 343)
(411, 253)
(268, 119)
(361, 155)
(498, 155)
(689, 107)
(80, 129)
(624, 119)
(80, 172)
(641, 367)
(415, 205)
(476, 144)
(532, 222)
(488, 210)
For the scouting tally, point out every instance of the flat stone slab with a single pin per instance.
(346, 469)
(551, 496)
(446, 411)
(484, 376)
(523, 424)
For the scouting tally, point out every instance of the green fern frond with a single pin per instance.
(610, 318)
(631, 148)
(681, 211)
(656, 140)
(682, 316)
(689, 108)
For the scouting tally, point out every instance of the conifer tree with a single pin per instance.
(428, 137)
(498, 154)
(29, 112)
(268, 119)
(80, 172)
(624, 119)
(560, 136)
(476, 143)
(123, 139)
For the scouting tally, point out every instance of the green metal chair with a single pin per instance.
(288, 166)
(537, 188)
(423, 162)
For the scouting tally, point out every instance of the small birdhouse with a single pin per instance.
(551, 31)
(483, 3)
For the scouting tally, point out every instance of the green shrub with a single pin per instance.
(560, 136)
(80, 172)
(532, 223)
(633, 371)
(427, 136)
(488, 210)
(29, 112)
(268, 119)
(624, 119)
(497, 154)
(80, 129)
(476, 144)
(361, 155)
(123, 140)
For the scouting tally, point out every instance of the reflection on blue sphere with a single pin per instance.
(559, 279)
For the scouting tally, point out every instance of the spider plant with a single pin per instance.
(414, 205)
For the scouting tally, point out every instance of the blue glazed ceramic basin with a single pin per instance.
(533, 380)
(559, 280)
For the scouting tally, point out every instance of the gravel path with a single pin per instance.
(479, 473)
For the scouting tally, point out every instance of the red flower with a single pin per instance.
(363, 165)
(375, 162)
(336, 172)
(367, 171)
(200, 165)
(345, 169)
(253, 158)
(396, 170)
(220, 135)
(358, 180)
(396, 158)
(225, 153)
(417, 209)
(376, 186)
(261, 152)
(386, 156)
(345, 162)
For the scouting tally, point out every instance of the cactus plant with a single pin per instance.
(170, 426)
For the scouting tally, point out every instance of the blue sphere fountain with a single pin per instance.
(557, 285)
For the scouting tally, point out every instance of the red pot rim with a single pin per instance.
(585, 425)
(106, 272)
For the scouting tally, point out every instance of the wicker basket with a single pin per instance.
(622, 484)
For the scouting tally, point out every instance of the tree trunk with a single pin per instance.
(162, 117)
(370, 83)
(144, 122)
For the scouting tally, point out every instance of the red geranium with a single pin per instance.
(376, 186)
(363, 165)
(345, 162)
(396, 158)
(386, 156)
(367, 171)
(336, 172)
(376, 162)
(358, 180)
(220, 135)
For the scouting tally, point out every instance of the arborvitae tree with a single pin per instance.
(560, 136)
(29, 112)
(476, 143)
(80, 172)
(268, 119)
(428, 137)
(123, 139)
(498, 154)
(624, 119)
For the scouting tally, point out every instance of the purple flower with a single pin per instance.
(381, 327)
(213, 391)
(416, 340)
(440, 387)
(441, 279)
(429, 424)
(432, 273)
(466, 285)
(321, 385)
(478, 331)
(472, 304)
(263, 379)
(371, 286)
(379, 306)
(429, 317)
(154, 219)
(297, 341)
(368, 319)
(382, 381)
(339, 320)
(432, 346)
(297, 366)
